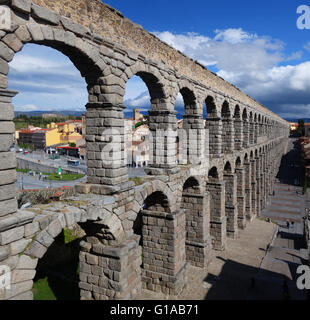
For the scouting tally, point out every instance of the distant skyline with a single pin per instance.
(255, 46)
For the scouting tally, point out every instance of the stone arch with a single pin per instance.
(238, 128)
(246, 128)
(238, 163)
(214, 126)
(213, 174)
(40, 234)
(161, 228)
(84, 56)
(237, 112)
(241, 196)
(190, 102)
(153, 81)
(227, 168)
(212, 110)
(231, 212)
(197, 211)
(225, 111)
(228, 139)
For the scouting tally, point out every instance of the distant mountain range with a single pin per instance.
(60, 113)
(307, 120)
(79, 113)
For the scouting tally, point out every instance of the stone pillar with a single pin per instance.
(214, 125)
(194, 131)
(254, 189)
(241, 198)
(231, 205)
(217, 217)
(238, 124)
(246, 134)
(228, 139)
(248, 190)
(8, 202)
(106, 151)
(163, 143)
(198, 241)
(256, 128)
(164, 257)
(252, 132)
(110, 272)
(258, 187)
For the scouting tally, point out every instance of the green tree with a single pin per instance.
(301, 128)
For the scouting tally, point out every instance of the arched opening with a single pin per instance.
(138, 102)
(50, 126)
(216, 188)
(246, 128)
(227, 168)
(213, 174)
(260, 126)
(159, 136)
(241, 194)
(58, 271)
(252, 128)
(189, 119)
(238, 129)
(231, 213)
(256, 128)
(213, 127)
(228, 129)
(50, 118)
(160, 236)
(238, 163)
(253, 182)
(196, 206)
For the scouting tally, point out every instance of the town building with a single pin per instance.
(56, 134)
(293, 126)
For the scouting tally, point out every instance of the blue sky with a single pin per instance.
(254, 45)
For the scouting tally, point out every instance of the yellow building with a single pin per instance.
(52, 137)
(66, 132)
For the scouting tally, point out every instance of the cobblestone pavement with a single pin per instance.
(230, 272)
(277, 277)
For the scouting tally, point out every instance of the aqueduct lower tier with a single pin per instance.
(183, 209)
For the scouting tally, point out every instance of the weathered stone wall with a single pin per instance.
(108, 50)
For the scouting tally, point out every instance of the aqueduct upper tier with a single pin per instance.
(186, 206)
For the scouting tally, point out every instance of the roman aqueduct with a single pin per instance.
(184, 211)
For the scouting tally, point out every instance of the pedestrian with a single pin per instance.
(287, 224)
(274, 193)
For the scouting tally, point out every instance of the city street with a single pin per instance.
(43, 158)
(26, 182)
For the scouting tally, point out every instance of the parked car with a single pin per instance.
(26, 152)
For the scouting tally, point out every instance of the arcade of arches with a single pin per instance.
(145, 236)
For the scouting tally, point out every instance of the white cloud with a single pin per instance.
(23, 63)
(233, 36)
(252, 63)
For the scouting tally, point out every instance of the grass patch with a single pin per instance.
(69, 236)
(42, 291)
(138, 181)
(22, 170)
(64, 177)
